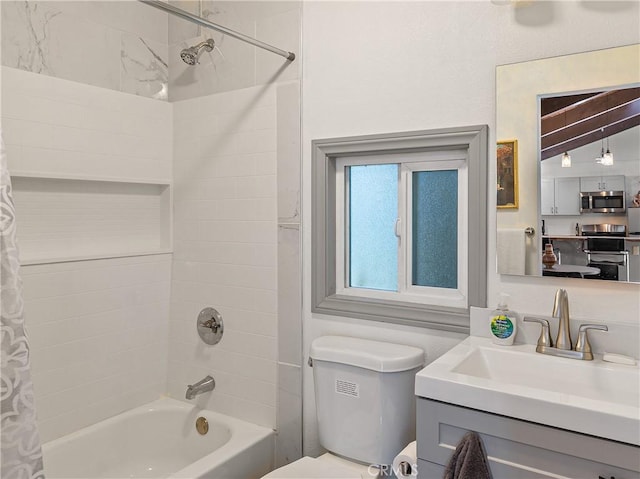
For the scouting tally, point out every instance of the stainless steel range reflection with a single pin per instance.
(606, 251)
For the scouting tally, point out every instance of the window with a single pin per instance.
(397, 224)
(393, 220)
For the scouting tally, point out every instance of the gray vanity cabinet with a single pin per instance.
(518, 449)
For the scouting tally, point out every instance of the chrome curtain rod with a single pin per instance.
(206, 23)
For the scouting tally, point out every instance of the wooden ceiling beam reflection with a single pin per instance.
(589, 120)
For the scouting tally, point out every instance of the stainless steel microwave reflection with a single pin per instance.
(602, 202)
(210, 326)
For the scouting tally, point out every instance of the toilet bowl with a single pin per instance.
(326, 466)
(365, 407)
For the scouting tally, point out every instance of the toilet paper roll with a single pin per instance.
(405, 464)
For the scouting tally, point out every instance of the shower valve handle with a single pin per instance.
(210, 326)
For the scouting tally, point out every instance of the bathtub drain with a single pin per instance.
(202, 425)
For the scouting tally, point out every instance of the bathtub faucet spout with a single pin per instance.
(202, 386)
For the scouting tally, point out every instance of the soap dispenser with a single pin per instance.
(503, 323)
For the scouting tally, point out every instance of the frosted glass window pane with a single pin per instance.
(373, 211)
(435, 228)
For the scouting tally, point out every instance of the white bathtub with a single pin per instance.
(159, 440)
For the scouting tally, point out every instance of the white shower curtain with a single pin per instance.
(21, 456)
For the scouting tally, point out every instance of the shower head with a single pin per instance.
(190, 55)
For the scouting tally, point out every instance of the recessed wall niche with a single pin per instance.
(64, 219)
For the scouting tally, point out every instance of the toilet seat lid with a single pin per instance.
(315, 468)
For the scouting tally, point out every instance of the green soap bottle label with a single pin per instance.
(501, 326)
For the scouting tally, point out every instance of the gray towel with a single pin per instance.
(469, 461)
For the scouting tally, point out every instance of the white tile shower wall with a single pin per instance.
(225, 252)
(98, 334)
(117, 45)
(231, 66)
(289, 439)
(289, 412)
(60, 128)
(98, 329)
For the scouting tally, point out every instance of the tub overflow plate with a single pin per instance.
(202, 425)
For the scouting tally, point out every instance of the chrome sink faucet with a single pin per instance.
(563, 344)
(561, 311)
(202, 386)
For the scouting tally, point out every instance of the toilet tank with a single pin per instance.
(365, 398)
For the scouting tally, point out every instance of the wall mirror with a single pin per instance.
(581, 217)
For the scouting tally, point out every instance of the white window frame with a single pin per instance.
(408, 164)
(328, 293)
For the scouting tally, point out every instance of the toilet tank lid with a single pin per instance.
(364, 353)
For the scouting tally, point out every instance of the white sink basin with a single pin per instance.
(597, 381)
(592, 397)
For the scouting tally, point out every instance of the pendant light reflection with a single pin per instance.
(607, 158)
(566, 160)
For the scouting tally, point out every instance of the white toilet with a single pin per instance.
(365, 407)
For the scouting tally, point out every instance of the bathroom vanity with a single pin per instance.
(518, 449)
(538, 416)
